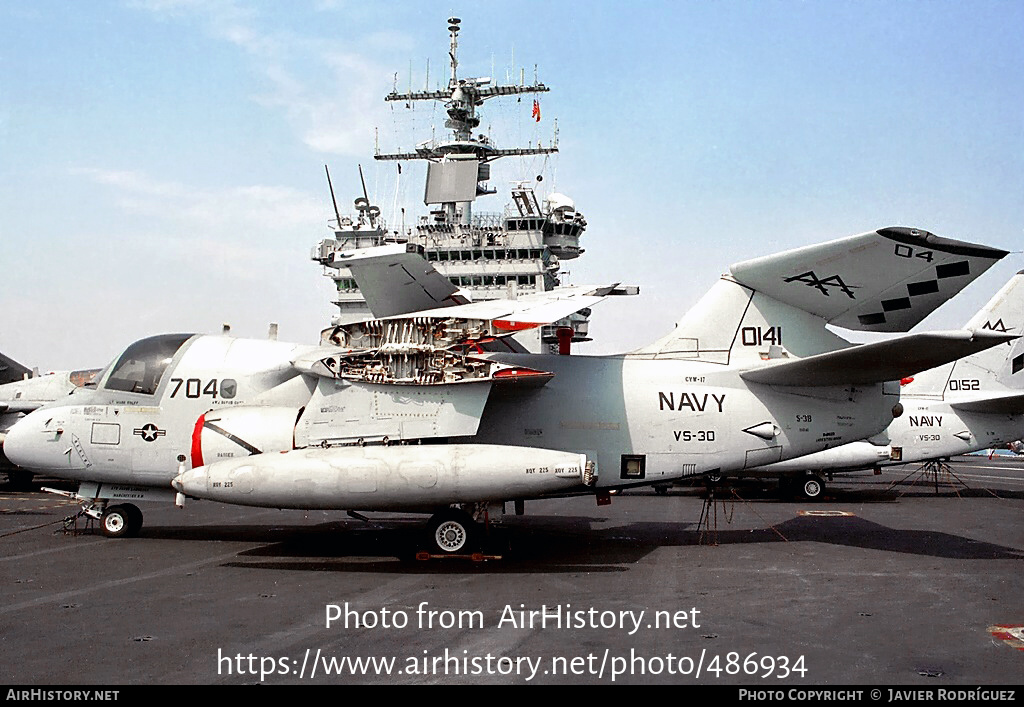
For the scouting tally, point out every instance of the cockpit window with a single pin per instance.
(85, 378)
(143, 363)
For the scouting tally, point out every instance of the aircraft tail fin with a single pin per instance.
(999, 392)
(1011, 374)
(1004, 313)
(886, 280)
(883, 281)
(11, 370)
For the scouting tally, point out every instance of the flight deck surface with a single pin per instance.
(877, 584)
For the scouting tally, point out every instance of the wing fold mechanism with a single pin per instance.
(398, 282)
(413, 351)
(876, 362)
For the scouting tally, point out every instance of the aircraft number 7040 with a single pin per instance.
(194, 387)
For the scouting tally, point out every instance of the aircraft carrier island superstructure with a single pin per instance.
(487, 255)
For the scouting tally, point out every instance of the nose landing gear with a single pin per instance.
(123, 520)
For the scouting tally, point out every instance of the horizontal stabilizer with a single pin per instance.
(877, 362)
(397, 279)
(1008, 404)
(886, 280)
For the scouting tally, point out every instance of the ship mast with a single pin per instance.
(459, 166)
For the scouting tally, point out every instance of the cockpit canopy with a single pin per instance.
(142, 364)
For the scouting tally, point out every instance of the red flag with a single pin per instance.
(536, 110)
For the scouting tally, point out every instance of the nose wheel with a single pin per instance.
(121, 521)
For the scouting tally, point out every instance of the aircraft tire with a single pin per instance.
(134, 518)
(121, 521)
(813, 487)
(452, 532)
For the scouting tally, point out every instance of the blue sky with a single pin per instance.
(161, 161)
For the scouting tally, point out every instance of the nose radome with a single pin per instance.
(15, 443)
(29, 444)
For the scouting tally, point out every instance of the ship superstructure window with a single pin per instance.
(142, 364)
(525, 224)
(484, 255)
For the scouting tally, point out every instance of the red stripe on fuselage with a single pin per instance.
(197, 442)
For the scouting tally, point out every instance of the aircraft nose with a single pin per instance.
(30, 442)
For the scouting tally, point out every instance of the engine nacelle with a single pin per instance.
(228, 433)
(388, 478)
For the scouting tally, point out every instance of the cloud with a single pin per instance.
(326, 119)
(241, 211)
(240, 233)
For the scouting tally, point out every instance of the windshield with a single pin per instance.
(143, 363)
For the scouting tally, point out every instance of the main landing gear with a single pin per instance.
(467, 531)
(813, 487)
(452, 532)
(810, 487)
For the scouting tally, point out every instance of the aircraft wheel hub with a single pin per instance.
(114, 523)
(450, 536)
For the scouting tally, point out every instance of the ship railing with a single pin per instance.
(513, 211)
(349, 224)
(487, 219)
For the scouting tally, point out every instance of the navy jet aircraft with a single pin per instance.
(26, 391)
(409, 412)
